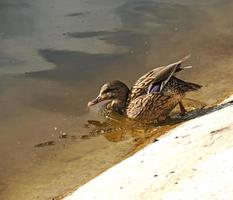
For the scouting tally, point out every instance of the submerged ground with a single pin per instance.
(55, 55)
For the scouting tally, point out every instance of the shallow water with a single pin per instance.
(56, 54)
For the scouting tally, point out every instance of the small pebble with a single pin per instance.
(63, 135)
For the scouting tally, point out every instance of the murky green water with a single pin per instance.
(55, 55)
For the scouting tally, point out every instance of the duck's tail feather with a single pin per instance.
(188, 87)
(185, 86)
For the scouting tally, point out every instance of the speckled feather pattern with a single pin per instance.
(152, 106)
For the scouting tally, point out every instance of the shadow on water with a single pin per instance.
(76, 66)
(132, 40)
(77, 14)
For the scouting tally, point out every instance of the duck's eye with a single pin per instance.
(109, 90)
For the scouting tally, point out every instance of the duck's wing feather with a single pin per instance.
(152, 106)
(158, 75)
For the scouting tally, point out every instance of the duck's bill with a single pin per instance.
(95, 101)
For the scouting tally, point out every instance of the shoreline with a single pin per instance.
(122, 168)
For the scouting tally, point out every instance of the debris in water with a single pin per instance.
(85, 137)
(44, 144)
(73, 137)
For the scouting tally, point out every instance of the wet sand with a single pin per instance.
(54, 57)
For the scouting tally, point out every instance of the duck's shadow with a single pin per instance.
(118, 128)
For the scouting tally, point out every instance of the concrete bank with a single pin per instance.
(193, 161)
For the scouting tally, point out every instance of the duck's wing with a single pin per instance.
(156, 79)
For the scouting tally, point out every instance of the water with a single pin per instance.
(55, 55)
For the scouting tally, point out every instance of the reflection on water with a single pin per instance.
(117, 128)
(56, 54)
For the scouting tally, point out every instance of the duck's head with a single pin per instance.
(115, 90)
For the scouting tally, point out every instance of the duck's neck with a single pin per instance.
(119, 104)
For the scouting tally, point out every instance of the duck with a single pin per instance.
(152, 97)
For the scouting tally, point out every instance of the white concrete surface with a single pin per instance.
(193, 161)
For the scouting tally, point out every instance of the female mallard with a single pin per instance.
(152, 97)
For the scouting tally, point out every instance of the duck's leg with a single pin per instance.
(182, 109)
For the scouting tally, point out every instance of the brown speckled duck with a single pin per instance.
(151, 98)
